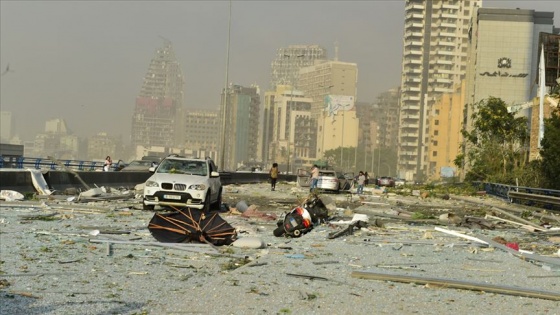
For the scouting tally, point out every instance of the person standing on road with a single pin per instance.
(361, 181)
(273, 176)
(108, 163)
(314, 177)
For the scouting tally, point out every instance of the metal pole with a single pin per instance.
(342, 140)
(223, 142)
(378, 159)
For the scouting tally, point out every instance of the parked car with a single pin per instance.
(386, 181)
(183, 182)
(333, 181)
(328, 180)
(399, 182)
(138, 166)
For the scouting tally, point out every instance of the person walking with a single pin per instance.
(314, 177)
(273, 176)
(108, 163)
(361, 181)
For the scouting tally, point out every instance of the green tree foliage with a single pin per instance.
(497, 146)
(550, 151)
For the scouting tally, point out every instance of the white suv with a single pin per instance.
(183, 182)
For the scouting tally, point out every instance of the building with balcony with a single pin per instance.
(292, 134)
(289, 60)
(321, 82)
(158, 113)
(201, 134)
(434, 61)
(239, 127)
(445, 123)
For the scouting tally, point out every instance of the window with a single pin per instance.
(434, 153)
(436, 122)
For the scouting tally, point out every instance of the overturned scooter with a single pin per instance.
(302, 219)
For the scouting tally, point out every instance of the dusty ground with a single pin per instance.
(55, 259)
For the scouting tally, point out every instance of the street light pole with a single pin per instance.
(288, 110)
(342, 140)
(223, 136)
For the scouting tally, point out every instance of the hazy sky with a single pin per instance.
(84, 61)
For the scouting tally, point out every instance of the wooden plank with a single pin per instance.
(516, 218)
(459, 284)
(525, 226)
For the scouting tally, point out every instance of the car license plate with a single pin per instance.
(174, 197)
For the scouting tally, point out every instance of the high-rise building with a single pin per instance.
(434, 61)
(239, 127)
(504, 55)
(386, 115)
(285, 72)
(201, 134)
(158, 112)
(292, 133)
(445, 124)
(332, 80)
(289, 60)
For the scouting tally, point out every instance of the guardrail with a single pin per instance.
(549, 198)
(46, 164)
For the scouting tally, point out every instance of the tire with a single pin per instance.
(279, 231)
(147, 207)
(206, 207)
(218, 204)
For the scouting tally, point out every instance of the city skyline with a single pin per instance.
(85, 61)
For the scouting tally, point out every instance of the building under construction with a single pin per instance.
(157, 114)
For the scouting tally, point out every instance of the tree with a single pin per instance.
(550, 151)
(497, 146)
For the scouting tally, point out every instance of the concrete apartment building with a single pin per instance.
(331, 80)
(285, 72)
(292, 133)
(239, 127)
(289, 60)
(157, 118)
(445, 124)
(201, 134)
(434, 61)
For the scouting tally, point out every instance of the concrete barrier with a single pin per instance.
(20, 179)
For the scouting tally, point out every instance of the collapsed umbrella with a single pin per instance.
(186, 225)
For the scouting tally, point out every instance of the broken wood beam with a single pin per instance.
(525, 226)
(459, 284)
(516, 218)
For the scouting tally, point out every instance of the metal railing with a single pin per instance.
(549, 198)
(46, 164)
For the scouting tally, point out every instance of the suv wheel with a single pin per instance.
(147, 207)
(218, 204)
(206, 207)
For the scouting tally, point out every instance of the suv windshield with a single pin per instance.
(183, 167)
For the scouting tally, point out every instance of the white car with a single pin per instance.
(183, 182)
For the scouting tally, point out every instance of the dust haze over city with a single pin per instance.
(84, 61)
